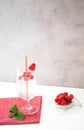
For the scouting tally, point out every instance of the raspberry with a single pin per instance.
(63, 102)
(32, 67)
(56, 99)
(68, 102)
(60, 97)
(59, 102)
(64, 98)
(67, 98)
(65, 93)
(71, 96)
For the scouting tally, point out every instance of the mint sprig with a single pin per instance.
(16, 113)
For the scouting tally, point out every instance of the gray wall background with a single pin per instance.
(50, 32)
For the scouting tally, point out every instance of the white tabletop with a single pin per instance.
(51, 118)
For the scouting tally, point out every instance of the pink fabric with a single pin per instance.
(5, 103)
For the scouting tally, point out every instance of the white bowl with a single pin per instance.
(63, 108)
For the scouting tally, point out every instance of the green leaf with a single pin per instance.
(13, 109)
(11, 115)
(19, 116)
(16, 113)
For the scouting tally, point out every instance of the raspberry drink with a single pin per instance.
(25, 81)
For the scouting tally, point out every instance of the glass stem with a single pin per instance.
(29, 107)
(27, 90)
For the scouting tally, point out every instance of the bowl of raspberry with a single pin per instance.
(64, 100)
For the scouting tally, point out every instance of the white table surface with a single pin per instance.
(51, 118)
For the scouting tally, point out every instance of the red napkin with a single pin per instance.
(5, 103)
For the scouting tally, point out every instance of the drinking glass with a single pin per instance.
(26, 83)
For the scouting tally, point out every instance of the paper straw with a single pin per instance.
(26, 63)
(26, 69)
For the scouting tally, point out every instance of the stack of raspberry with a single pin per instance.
(64, 98)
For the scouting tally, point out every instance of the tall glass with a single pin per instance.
(26, 83)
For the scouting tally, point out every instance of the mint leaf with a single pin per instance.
(11, 115)
(13, 109)
(19, 116)
(16, 113)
